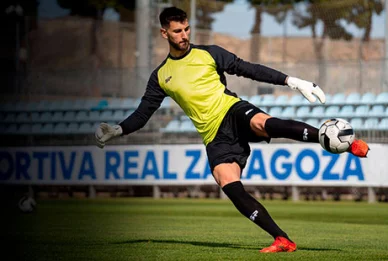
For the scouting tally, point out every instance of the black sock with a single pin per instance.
(296, 130)
(252, 209)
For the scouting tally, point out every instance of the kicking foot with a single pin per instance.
(281, 244)
(359, 148)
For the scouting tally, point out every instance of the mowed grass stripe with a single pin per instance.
(195, 229)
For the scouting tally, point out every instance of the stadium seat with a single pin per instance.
(85, 127)
(57, 117)
(337, 99)
(382, 98)
(244, 97)
(72, 128)
(383, 125)
(353, 98)
(48, 128)
(166, 103)
(106, 116)
(313, 122)
(275, 111)
(114, 104)
(281, 100)
(255, 100)
(35, 116)
(69, 116)
(318, 112)
(288, 112)
(65, 105)
(36, 127)
(31, 106)
(377, 111)
(81, 116)
(356, 123)
(362, 111)
(296, 100)
(44, 106)
(12, 129)
(45, 117)
(118, 115)
(94, 116)
(60, 128)
(10, 117)
(303, 111)
(268, 100)
(187, 126)
(78, 104)
(22, 117)
(346, 111)
(3, 127)
(127, 103)
(386, 111)
(100, 105)
(172, 126)
(332, 111)
(24, 129)
(91, 104)
(368, 98)
(371, 123)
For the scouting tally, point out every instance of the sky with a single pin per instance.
(236, 19)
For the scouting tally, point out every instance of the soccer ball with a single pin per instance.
(336, 135)
(27, 204)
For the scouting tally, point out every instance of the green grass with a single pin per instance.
(189, 229)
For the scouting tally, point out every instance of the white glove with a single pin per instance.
(308, 89)
(106, 132)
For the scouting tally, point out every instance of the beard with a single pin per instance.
(182, 46)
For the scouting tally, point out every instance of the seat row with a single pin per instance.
(132, 103)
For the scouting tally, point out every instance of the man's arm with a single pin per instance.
(230, 63)
(150, 102)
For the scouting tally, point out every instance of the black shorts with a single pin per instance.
(231, 143)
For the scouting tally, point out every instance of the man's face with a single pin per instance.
(178, 35)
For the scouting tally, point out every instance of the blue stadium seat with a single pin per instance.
(386, 111)
(383, 124)
(85, 127)
(356, 123)
(275, 111)
(332, 111)
(81, 116)
(69, 116)
(166, 103)
(289, 113)
(36, 127)
(368, 98)
(35, 117)
(60, 128)
(313, 122)
(57, 117)
(318, 112)
(91, 104)
(281, 100)
(78, 104)
(10, 117)
(94, 116)
(24, 129)
(118, 115)
(100, 105)
(382, 98)
(12, 128)
(296, 100)
(127, 103)
(337, 99)
(172, 126)
(303, 111)
(22, 117)
(255, 100)
(48, 128)
(31, 106)
(346, 111)
(44, 106)
(106, 116)
(244, 97)
(371, 123)
(377, 111)
(187, 126)
(362, 111)
(353, 98)
(72, 127)
(45, 117)
(268, 100)
(114, 104)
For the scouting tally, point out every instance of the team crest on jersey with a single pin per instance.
(168, 79)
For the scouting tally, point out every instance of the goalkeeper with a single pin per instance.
(193, 76)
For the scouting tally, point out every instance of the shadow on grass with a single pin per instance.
(214, 244)
(194, 243)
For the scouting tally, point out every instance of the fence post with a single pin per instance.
(371, 195)
(295, 193)
(156, 191)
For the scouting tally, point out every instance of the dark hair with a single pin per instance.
(171, 14)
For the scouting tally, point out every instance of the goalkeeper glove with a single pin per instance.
(106, 132)
(308, 89)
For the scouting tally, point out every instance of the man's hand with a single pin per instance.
(308, 89)
(106, 132)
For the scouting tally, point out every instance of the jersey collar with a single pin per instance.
(183, 56)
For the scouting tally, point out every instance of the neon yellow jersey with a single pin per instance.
(196, 82)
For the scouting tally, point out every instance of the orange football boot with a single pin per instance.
(281, 244)
(359, 148)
